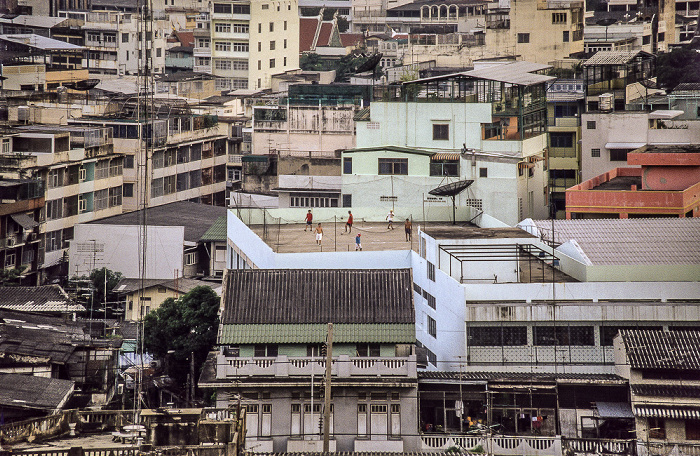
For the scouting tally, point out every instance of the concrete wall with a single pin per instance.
(121, 244)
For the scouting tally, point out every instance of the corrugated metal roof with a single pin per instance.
(518, 73)
(45, 298)
(612, 57)
(614, 410)
(316, 333)
(648, 349)
(33, 392)
(362, 115)
(652, 241)
(660, 411)
(319, 296)
(514, 376)
(41, 42)
(665, 390)
(216, 232)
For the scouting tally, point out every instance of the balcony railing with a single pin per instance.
(343, 366)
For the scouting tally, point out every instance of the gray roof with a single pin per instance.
(28, 391)
(644, 389)
(614, 410)
(41, 42)
(613, 57)
(642, 241)
(45, 298)
(518, 73)
(34, 21)
(297, 296)
(196, 218)
(182, 284)
(516, 376)
(648, 349)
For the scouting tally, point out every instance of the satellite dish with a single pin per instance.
(370, 64)
(606, 22)
(452, 190)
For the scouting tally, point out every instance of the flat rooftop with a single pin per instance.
(292, 238)
(620, 183)
(470, 231)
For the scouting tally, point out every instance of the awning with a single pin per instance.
(624, 145)
(665, 114)
(444, 156)
(678, 413)
(614, 410)
(522, 165)
(254, 158)
(24, 221)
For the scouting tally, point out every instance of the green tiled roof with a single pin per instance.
(315, 333)
(216, 232)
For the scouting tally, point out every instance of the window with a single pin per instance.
(129, 161)
(564, 335)
(272, 63)
(125, 37)
(618, 154)
(224, 46)
(10, 259)
(259, 46)
(591, 125)
(656, 428)
(272, 45)
(483, 172)
(265, 350)
(558, 18)
(159, 52)
(523, 37)
(347, 200)
(82, 204)
(128, 191)
(444, 168)
(54, 209)
(240, 64)
(429, 298)
(222, 8)
(259, 64)
(284, 63)
(347, 165)
(487, 336)
(115, 196)
(285, 26)
(240, 47)
(661, 37)
(222, 64)
(565, 111)
(116, 167)
(53, 240)
(368, 350)
(692, 429)
(565, 36)
(432, 327)
(272, 26)
(265, 6)
(432, 357)
(431, 271)
(561, 139)
(222, 28)
(285, 42)
(241, 28)
(595, 153)
(417, 288)
(396, 166)
(441, 132)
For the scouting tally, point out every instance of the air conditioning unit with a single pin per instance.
(23, 113)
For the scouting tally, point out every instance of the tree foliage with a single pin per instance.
(676, 67)
(181, 327)
(9, 277)
(97, 279)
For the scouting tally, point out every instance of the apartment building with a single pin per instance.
(187, 156)
(485, 125)
(546, 30)
(248, 42)
(113, 42)
(82, 176)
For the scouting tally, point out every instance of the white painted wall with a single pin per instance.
(164, 252)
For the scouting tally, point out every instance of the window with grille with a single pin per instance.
(388, 198)
(558, 18)
(564, 335)
(591, 125)
(417, 288)
(430, 299)
(523, 37)
(441, 132)
(595, 153)
(432, 357)
(475, 203)
(431, 271)
(432, 327)
(486, 336)
(444, 168)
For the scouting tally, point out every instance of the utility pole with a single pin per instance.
(327, 390)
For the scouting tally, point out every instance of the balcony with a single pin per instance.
(564, 121)
(342, 366)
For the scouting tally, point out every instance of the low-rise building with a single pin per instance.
(273, 334)
(664, 182)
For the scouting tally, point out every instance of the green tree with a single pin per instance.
(9, 277)
(310, 61)
(97, 279)
(343, 24)
(181, 327)
(678, 66)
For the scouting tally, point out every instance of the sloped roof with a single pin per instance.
(45, 298)
(182, 285)
(297, 296)
(613, 57)
(647, 349)
(324, 35)
(186, 38)
(34, 21)
(518, 73)
(517, 376)
(41, 42)
(307, 31)
(28, 391)
(648, 241)
(195, 217)
(351, 39)
(37, 343)
(216, 232)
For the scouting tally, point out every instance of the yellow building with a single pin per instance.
(546, 30)
(155, 292)
(274, 40)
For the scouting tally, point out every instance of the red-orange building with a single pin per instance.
(667, 183)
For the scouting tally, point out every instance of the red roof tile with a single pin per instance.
(325, 35)
(351, 39)
(307, 31)
(186, 38)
